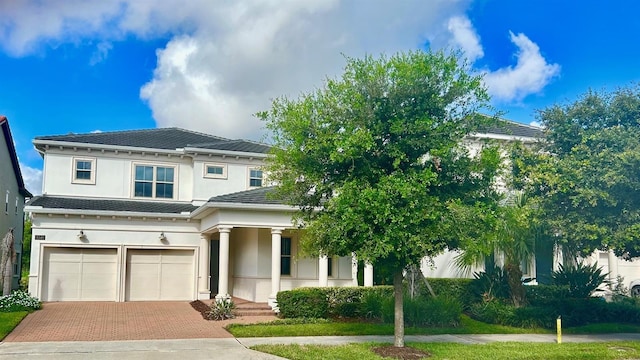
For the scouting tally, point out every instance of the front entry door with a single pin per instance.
(214, 267)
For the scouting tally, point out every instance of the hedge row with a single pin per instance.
(328, 302)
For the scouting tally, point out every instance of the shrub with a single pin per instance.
(492, 312)
(303, 303)
(542, 294)
(341, 302)
(439, 311)
(344, 301)
(222, 309)
(490, 284)
(460, 289)
(581, 279)
(19, 300)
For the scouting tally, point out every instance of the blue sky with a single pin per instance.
(81, 66)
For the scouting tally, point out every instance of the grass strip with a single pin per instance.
(9, 320)
(491, 351)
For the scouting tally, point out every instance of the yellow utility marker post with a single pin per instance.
(559, 329)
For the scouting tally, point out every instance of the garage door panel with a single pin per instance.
(160, 274)
(76, 274)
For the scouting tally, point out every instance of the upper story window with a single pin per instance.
(84, 170)
(6, 203)
(16, 205)
(153, 181)
(215, 171)
(255, 177)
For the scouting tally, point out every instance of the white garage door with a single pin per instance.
(73, 274)
(160, 275)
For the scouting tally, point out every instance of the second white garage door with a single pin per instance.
(160, 275)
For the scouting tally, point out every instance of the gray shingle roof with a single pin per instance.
(55, 202)
(163, 138)
(514, 129)
(253, 196)
(8, 139)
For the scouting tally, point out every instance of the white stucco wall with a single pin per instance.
(119, 233)
(236, 179)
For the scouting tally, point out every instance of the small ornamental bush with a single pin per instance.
(490, 284)
(221, 309)
(19, 300)
(582, 280)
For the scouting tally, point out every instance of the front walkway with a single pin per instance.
(108, 321)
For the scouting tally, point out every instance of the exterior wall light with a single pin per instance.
(163, 237)
(82, 236)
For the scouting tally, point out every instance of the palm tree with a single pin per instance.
(514, 238)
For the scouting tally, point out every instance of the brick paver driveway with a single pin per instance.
(103, 321)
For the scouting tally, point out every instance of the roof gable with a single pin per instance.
(6, 132)
(512, 128)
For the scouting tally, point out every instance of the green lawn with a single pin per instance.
(9, 320)
(468, 326)
(492, 351)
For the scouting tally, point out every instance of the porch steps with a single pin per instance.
(246, 308)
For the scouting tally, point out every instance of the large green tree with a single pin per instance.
(586, 175)
(375, 161)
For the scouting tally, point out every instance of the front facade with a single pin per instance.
(164, 214)
(171, 214)
(12, 196)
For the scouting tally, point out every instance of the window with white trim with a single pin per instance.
(330, 266)
(154, 181)
(255, 177)
(6, 203)
(16, 205)
(215, 171)
(84, 170)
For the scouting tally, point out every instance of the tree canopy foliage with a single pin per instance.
(375, 159)
(586, 174)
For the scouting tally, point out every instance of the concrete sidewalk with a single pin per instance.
(196, 349)
(191, 349)
(462, 338)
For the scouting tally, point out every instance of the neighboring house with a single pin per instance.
(12, 195)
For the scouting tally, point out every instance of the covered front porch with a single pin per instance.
(249, 249)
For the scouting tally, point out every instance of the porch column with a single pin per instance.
(223, 271)
(613, 268)
(323, 269)
(203, 284)
(276, 238)
(354, 269)
(368, 274)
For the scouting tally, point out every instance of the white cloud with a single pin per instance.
(227, 60)
(101, 52)
(530, 74)
(465, 37)
(32, 179)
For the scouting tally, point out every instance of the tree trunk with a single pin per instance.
(516, 288)
(398, 331)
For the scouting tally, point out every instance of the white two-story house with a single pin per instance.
(172, 214)
(164, 214)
